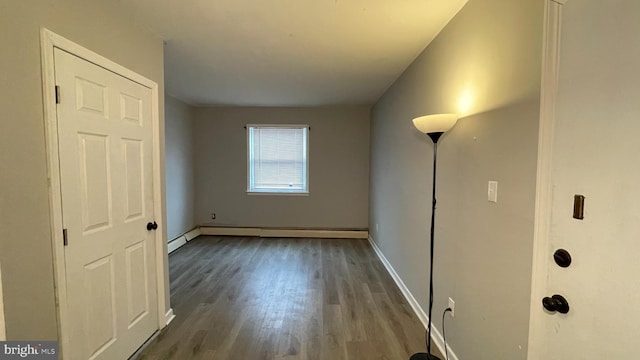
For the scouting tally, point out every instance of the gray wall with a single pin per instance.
(180, 167)
(25, 245)
(338, 168)
(485, 65)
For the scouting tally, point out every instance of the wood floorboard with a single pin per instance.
(295, 299)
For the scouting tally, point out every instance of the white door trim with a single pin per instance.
(48, 41)
(548, 98)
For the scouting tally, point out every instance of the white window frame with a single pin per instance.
(296, 192)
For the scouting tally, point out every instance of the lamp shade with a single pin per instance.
(435, 123)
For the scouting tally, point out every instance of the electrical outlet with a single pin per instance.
(213, 216)
(452, 306)
(377, 228)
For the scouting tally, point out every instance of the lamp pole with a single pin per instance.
(435, 136)
(433, 125)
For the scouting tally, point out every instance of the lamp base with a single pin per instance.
(423, 356)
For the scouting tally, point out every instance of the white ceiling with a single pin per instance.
(289, 52)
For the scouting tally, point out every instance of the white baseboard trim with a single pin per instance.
(324, 234)
(304, 233)
(192, 234)
(178, 242)
(169, 316)
(230, 231)
(436, 337)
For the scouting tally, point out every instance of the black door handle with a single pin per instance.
(152, 226)
(562, 258)
(556, 303)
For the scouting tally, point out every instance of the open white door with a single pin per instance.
(106, 177)
(594, 151)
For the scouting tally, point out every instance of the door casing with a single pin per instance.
(48, 41)
(548, 99)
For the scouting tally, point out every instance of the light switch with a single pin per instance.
(492, 193)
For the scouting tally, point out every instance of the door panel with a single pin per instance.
(131, 108)
(106, 166)
(91, 97)
(595, 154)
(95, 184)
(134, 164)
(137, 287)
(100, 288)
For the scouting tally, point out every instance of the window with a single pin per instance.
(277, 158)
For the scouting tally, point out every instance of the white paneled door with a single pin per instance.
(106, 166)
(595, 151)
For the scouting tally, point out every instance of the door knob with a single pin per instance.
(556, 303)
(152, 226)
(562, 258)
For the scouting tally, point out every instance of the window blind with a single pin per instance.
(277, 158)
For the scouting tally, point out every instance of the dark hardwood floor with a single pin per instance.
(264, 298)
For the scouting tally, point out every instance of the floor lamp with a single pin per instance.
(434, 126)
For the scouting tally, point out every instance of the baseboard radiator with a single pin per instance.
(286, 232)
(181, 240)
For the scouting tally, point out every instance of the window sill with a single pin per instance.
(277, 193)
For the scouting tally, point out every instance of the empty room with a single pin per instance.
(330, 179)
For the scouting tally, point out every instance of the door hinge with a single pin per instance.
(57, 94)
(65, 240)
